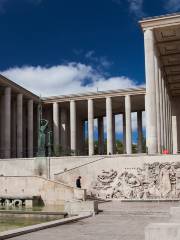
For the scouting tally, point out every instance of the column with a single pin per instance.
(81, 137)
(63, 131)
(140, 131)
(100, 136)
(171, 142)
(30, 128)
(167, 123)
(73, 126)
(164, 115)
(19, 125)
(157, 103)
(168, 120)
(114, 133)
(124, 133)
(161, 109)
(170, 125)
(109, 125)
(56, 127)
(91, 127)
(150, 92)
(174, 134)
(2, 122)
(14, 129)
(7, 122)
(128, 124)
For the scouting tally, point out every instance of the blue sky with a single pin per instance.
(65, 46)
(55, 47)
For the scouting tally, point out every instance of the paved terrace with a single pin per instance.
(118, 221)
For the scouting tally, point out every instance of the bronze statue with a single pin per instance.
(43, 123)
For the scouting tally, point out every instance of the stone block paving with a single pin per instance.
(118, 221)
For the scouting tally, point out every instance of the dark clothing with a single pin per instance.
(78, 183)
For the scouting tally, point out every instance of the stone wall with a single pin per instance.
(129, 178)
(115, 177)
(17, 167)
(51, 192)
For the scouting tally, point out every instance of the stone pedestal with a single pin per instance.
(79, 207)
(41, 167)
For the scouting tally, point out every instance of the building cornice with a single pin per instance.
(95, 95)
(160, 21)
(5, 82)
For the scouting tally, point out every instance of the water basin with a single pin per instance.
(17, 217)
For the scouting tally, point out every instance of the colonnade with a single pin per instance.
(66, 122)
(16, 123)
(158, 100)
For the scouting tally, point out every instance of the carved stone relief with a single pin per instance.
(152, 181)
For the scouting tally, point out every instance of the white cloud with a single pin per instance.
(101, 61)
(136, 7)
(172, 5)
(65, 79)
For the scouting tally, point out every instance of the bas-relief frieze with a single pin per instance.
(152, 181)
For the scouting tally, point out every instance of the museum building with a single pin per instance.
(67, 115)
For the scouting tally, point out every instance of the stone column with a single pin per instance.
(2, 122)
(114, 133)
(124, 133)
(140, 131)
(161, 109)
(164, 114)
(7, 122)
(19, 125)
(128, 124)
(109, 125)
(100, 136)
(14, 129)
(64, 134)
(91, 126)
(30, 128)
(171, 142)
(157, 103)
(167, 123)
(81, 136)
(73, 126)
(150, 92)
(56, 127)
(174, 134)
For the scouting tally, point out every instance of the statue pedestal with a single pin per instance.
(41, 167)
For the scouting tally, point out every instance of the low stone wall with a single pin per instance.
(112, 177)
(51, 192)
(17, 167)
(129, 178)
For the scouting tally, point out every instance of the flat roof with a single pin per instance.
(5, 82)
(160, 21)
(98, 94)
(161, 16)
